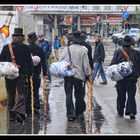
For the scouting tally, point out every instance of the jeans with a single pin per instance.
(98, 67)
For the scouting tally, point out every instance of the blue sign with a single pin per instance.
(125, 14)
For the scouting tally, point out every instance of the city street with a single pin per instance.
(105, 119)
(46, 30)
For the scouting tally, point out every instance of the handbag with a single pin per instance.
(10, 70)
(119, 71)
(63, 68)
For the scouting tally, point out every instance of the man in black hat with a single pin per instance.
(17, 108)
(80, 62)
(36, 51)
(128, 84)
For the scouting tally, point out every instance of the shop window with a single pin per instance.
(107, 8)
(95, 8)
(118, 7)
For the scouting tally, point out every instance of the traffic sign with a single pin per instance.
(125, 14)
(19, 8)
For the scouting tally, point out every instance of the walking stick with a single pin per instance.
(45, 104)
(139, 86)
(90, 91)
(32, 103)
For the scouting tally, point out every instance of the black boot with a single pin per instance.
(132, 116)
(104, 83)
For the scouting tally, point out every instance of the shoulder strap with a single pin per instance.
(125, 54)
(11, 53)
(69, 54)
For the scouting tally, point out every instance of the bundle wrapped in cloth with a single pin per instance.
(62, 69)
(113, 74)
(36, 60)
(9, 70)
(119, 71)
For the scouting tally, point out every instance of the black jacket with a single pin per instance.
(99, 53)
(22, 57)
(89, 53)
(36, 50)
(134, 56)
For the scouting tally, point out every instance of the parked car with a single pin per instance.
(135, 33)
(120, 33)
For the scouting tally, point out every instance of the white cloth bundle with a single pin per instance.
(125, 68)
(119, 71)
(113, 74)
(60, 69)
(9, 70)
(36, 60)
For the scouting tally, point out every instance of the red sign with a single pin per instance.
(88, 19)
(19, 8)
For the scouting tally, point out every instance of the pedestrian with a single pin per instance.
(17, 102)
(80, 62)
(46, 46)
(36, 51)
(98, 59)
(138, 43)
(115, 43)
(88, 46)
(128, 84)
(56, 46)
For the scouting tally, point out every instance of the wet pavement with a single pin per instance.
(104, 116)
(55, 122)
(105, 119)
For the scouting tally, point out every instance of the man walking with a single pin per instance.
(80, 62)
(46, 46)
(17, 105)
(98, 59)
(36, 51)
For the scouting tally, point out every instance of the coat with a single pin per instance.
(89, 53)
(99, 53)
(46, 46)
(36, 50)
(134, 56)
(79, 58)
(22, 57)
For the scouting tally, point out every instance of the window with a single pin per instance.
(107, 8)
(118, 7)
(95, 8)
(84, 7)
(6, 8)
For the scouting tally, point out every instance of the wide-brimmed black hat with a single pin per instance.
(75, 37)
(126, 41)
(32, 36)
(18, 32)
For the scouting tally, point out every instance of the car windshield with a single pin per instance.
(133, 31)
